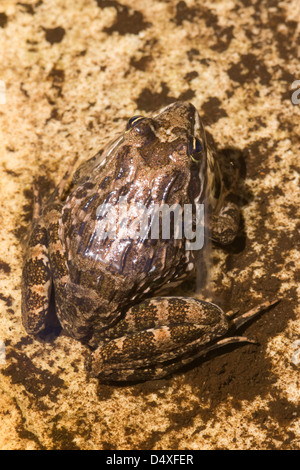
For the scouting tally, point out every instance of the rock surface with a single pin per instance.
(74, 73)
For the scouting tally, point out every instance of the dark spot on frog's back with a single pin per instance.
(174, 183)
(54, 35)
(123, 163)
(90, 203)
(105, 182)
(80, 193)
(88, 185)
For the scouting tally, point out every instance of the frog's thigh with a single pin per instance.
(155, 332)
(224, 226)
(36, 281)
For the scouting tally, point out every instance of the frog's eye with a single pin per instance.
(133, 121)
(195, 149)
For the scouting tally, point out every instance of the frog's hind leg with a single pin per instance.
(102, 363)
(154, 334)
(155, 339)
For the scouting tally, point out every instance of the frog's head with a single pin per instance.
(171, 151)
(173, 134)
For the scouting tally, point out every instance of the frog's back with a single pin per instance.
(101, 251)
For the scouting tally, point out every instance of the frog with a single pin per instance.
(115, 294)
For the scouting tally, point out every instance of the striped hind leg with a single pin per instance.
(161, 335)
(153, 335)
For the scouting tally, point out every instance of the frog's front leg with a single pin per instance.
(224, 225)
(36, 275)
(156, 338)
(40, 266)
(36, 281)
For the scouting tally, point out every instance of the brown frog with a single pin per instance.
(107, 288)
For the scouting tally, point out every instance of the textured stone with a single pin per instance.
(74, 73)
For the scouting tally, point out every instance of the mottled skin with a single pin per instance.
(106, 289)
